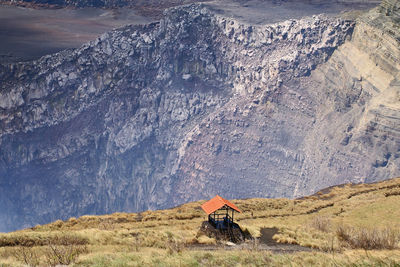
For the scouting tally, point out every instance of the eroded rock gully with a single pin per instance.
(152, 116)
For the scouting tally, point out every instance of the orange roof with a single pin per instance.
(216, 203)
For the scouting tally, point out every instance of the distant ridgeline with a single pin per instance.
(156, 4)
(150, 8)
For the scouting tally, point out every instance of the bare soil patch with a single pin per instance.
(265, 242)
(267, 236)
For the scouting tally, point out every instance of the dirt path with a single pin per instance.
(277, 248)
(265, 242)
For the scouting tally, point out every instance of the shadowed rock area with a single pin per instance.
(153, 116)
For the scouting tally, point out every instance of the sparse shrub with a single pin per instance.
(64, 255)
(321, 223)
(365, 238)
(55, 249)
(64, 250)
(27, 255)
(343, 233)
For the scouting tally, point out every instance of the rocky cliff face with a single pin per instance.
(152, 116)
(360, 119)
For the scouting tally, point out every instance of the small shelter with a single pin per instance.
(220, 213)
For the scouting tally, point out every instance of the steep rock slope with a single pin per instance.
(361, 81)
(152, 116)
(339, 124)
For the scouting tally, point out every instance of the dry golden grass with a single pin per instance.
(164, 237)
(368, 238)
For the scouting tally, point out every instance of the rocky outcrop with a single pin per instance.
(153, 116)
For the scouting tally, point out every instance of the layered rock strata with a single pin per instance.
(153, 116)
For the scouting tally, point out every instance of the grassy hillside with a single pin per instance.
(346, 225)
